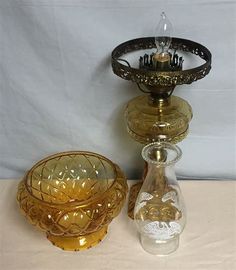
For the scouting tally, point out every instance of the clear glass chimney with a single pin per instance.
(159, 210)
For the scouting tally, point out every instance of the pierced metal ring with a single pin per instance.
(167, 78)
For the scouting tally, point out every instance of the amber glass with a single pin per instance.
(73, 197)
(149, 120)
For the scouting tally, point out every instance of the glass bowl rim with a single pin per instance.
(74, 204)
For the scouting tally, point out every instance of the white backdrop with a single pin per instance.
(58, 92)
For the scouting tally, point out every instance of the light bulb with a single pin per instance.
(163, 34)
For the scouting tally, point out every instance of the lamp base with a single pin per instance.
(78, 243)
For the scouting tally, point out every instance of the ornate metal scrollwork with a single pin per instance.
(156, 78)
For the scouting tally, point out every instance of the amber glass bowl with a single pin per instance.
(73, 196)
(164, 120)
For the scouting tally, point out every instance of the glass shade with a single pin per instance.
(73, 197)
(159, 211)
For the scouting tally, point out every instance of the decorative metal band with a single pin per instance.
(154, 78)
